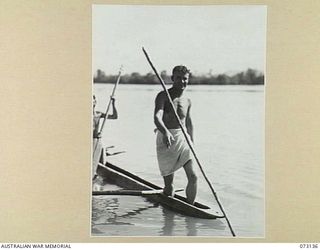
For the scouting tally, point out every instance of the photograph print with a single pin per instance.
(178, 97)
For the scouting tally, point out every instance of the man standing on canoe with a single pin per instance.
(98, 150)
(97, 115)
(173, 151)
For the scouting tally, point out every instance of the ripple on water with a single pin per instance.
(134, 216)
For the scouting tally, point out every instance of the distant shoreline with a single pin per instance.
(248, 77)
(193, 84)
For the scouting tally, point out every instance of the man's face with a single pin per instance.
(180, 80)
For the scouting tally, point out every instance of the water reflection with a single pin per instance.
(104, 210)
(112, 211)
(191, 227)
(203, 227)
(176, 224)
(169, 223)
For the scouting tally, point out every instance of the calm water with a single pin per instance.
(229, 141)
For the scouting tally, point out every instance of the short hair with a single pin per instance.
(94, 97)
(181, 68)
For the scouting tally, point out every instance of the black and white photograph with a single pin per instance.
(178, 120)
(126, 124)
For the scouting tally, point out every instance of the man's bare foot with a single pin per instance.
(168, 192)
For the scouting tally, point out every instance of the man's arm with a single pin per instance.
(189, 124)
(115, 112)
(158, 121)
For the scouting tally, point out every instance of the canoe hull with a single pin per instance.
(115, 175)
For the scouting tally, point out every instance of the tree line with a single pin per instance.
(248, 77)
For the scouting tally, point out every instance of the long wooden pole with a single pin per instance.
(188, 141)
(127, 192)
(111, 97)
(131, 192)
(97, 146)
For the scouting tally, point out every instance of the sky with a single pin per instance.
(206, 38)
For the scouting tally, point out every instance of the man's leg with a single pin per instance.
(191, 190)
(168, 185)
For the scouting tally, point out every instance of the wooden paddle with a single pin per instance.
(97, 145)
(187, 139)
(131, 192)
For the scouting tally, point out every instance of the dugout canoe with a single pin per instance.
(124, 179)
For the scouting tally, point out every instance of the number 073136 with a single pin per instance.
(309, 245)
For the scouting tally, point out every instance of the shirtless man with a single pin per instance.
(173, 151)
(97, 115)
(98, 149)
